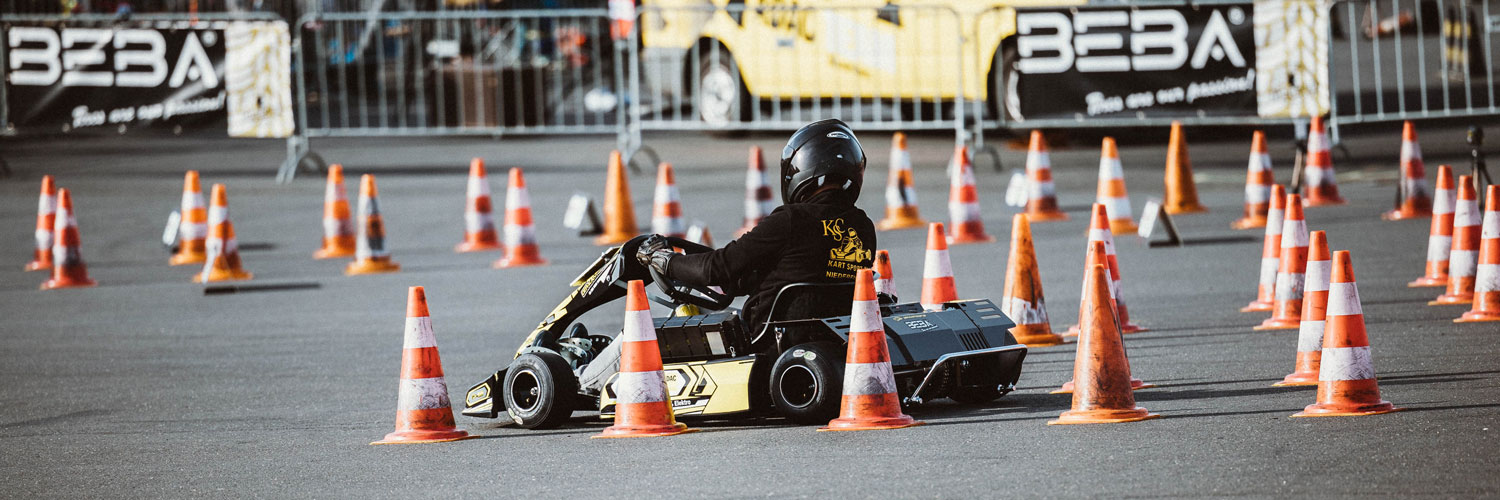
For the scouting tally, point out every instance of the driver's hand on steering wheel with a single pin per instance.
(655, 253)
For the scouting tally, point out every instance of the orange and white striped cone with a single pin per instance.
(1440, 234)
(370, 253)
(1101, 370)
(1181, 188)
(46, 217)
(642, 408)
(1099, 231)
(666, 214)
(1023, 301)
(1487, 275)
(619, 211)
(1099, 256)
(1112, 189)
(1292, 273)
(1322, 187)
(338, 228)
(885, 280)
(223, 259)
(68, 269)
(698, 233)
(1346, 374)
(1464, 257)
(870, 401)
(963, 202)
(1270, 254)
(1415, 200)
(479, 223)
(1258, 181)
(900, 193)
(758, 199)
(192, 233)
(1041, 194)
(520, 234)
(1314, 312)
(937, 271)
(423, 413)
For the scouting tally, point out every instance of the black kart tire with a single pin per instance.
(807, 382)
(539, 389)
(974, 395)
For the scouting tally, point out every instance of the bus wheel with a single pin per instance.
(722, 98)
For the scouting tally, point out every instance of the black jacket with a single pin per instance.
(825, 240)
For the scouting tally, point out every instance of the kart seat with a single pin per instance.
(800, 302)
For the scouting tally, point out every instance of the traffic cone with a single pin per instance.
(884, 280)
(222, 262)
(1182, 191)
(193, 230)
(1322, 188)
(1314, 310)
(338, 229)
(1112, 189)
(520, 235)
(1415, 200)
(963, 202)
(370, 253)
(758, 200)
(1270, 254)
(1440, 234)
(1041, 194)
(642, 408)
(619, 212)
(1292, 273)
(46, 217)
(666, 214)
(479, 224)
(698, 233)
(1464, 256)
(937, 271)
(1258, 181)
(1099, 231)
(1098, 255)
(870, 401)
(1346, 375)
(68, 269)
(423, 413)
(1487, 278)
(900, 193)
(1023, 301)
(1101, 369)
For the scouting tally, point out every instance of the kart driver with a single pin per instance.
(817, 236)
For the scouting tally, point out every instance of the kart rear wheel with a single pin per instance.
(974, 395)
(539, 387)
(807, 382)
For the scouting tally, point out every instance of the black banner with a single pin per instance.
(1167, 61)
(113, 78)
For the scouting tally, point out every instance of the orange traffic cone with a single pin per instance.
(1346, 375)
(1415, 200)
(1182, 191)
(698, 233)
(68, 269)
(520, 235)
(641, 405)
(1041, 194)
(1487, 277)
(1440, 234)
(1270, 254)
(870, 401)
(963, 202)
(619, 212)
(1098, 255)
(193, 231)
(666, 215)
(338, 229)
(1292, 273)
(885, 281)
(1464, 256)
(900, 193)
(1099, 231)
(423, 414)
(1322, 188)
(223, 259)
(370, 253)
(758, 200)
(937, 271)
(46, 217)
(1023, 301)
(479, 224)
(1112, 189)
(1101, 370)
(1314, 310)
(1258, 181)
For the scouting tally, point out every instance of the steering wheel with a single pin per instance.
(701, 296)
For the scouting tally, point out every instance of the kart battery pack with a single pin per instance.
(702, 337)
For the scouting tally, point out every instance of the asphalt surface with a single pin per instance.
(145, 387)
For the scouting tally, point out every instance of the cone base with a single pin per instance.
(1046, 216)
(1135, 385)
(1346, 410)
(417, 437)
(1124, 329)
(1038, 336)
(477, 246)
(1298, 379)
(371, 267)
(631, 431)
(611, 239)
(333, 253)
(1186, 208)
(1122, 227)
(1478, 316)
(961, 239)
(1324, 201)
(870, 423)
(1449, 299)
(892, 223)
(1074, 417)
(1279, 324)
(217, 275)
(1402, 215)
(183, 259)
(53, 284)
(1257, 306)
(519, 262)
(1248, 223)
(37, 265)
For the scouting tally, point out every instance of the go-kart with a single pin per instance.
(715, 364)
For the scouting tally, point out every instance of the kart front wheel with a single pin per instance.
(538, 388)
(807, 382)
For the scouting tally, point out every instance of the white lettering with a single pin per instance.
(45, 56)
(1029, 45)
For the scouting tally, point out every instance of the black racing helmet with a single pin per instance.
(821, 153)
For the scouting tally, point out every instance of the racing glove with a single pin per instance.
(655, 253)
